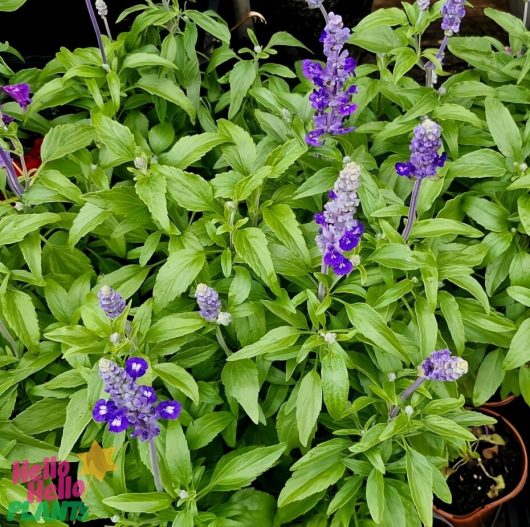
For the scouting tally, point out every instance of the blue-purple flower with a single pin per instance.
(452, 13)
(210, 305)
(339, 230)
(331, 99)
(19, 92)
(442, 366)
(130, 404)
(424, 157)
(111, 302)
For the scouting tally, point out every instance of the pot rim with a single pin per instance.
(500, 404)
(482, 511)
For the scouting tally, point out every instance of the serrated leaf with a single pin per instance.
(65, 139)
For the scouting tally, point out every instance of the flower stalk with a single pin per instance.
(97, 31)
(154, 465)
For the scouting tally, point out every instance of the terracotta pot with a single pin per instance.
(499, 404)
(478, 517)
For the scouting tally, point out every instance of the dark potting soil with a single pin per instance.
(469, 484)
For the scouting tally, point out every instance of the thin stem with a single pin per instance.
(154, 464)
(7, 337)
(405, 394)
(441, 52)
(97, 31)
(321, 285)
(12, 179)
(324, 13)
(24, 171)
(107, 27)
(222, 341)
(412, 208)
(525, 12)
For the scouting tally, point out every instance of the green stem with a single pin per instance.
(154, 465)
(222, 342)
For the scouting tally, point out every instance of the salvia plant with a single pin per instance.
(272, 292)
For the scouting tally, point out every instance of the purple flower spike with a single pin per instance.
(19, 92)
(209, 302)
(424, 157)
(339, 230)
(452, 12)
(442, 366)
(134, 405)
(136, 367)
(118, 422)
(111, 302)
(331, 99)
(169, 409)
(103, 410)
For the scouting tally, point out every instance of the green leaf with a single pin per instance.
(486, 213)
(453, 319)
(14, 228)
(210, 25)
(345, 494)
(447, 428)
(178, 377)
(19, 312)
(282, 221)
(375, 495)
(65, 139)
(523, 206)
(168, 90)
(190, 191)
(335, 384)
(151, 189)
(524, 383)
(240, 379)
(519, 352)
(11, 5)
(468, 283)
(190, 148)
(241, 78)
(308, 405)
(370, 324)
(116, 137)
(419, 475)
(44, 415)
(176, 275)
(202, 431)
(138, 59)
(520, 294)
(143, 502)
(275, 340)
(382, 39)
(78, 415)
(489, 377)
(503, 129)
(88, 218)
(251, 245)
(406, 59)
(174, 326)
(442, 227)
(481, 163)
(395, 256)
(177, 455)
(318, 183)
(241, 467)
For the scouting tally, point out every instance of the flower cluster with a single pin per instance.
(442, 366)
(210, 305)
(424, 158)
(330, 98)
(112, 303)
(452, 12)
(130, 404)
(339, 230)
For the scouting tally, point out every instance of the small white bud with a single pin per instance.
(330, 338)
(286, 113)
(93, 166)
(139, 163)
(414, 280)
(224, 318)
(434, 78)
(409, 410)
(513, 230)
(258, 49)
(392, 377)
(346, 160)
(442, 90)
(105, 365)
(102, 8)
(523, 167)
(105, 67)
(115, 338)
(231, 205)
(355, 260)
(18, 206)
(183, 494)
(115, 519)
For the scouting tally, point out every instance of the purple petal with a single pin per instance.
(136, 367)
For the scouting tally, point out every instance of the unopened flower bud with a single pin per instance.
(258, 49)
(409, 410)
(183, 494)
(224, 318)
(392, 377)
(18, 206)
(102, 8)
(115, 338)
(329, 338)
(140, 163)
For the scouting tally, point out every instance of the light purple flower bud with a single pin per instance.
(339, 230)
(19, 92)
(442, 366)
(452, 12)
(136, 367)
(169, 409)
(111, 302)
(330, 98)
(424, 4)
(424, 158)
(209, 302)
